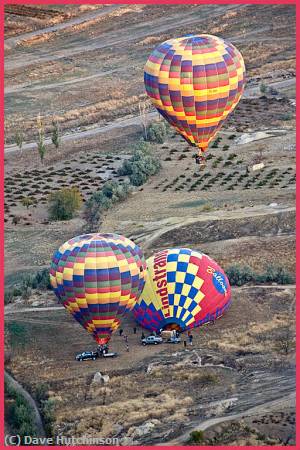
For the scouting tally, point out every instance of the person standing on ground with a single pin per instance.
(143, 336)
(191, 339)
(184, 343)
(120, 331)
(134, 330)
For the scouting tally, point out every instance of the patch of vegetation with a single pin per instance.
(286, 116)
(157, 132)
(100, 201)
(18, 334)
(41, 139)
(196, 437)
(141, 165)
(63, 204)
(23, 285)
(27, 201)
(263, 87)
(19, 414)
(19, 139)
(55, 134)
(240, 275)
(46, 406)
(216, 142)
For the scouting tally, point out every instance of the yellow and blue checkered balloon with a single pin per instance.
(184, 289)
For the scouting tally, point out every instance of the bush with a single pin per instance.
(196, 437)
(27, 201)
(116, 191)
(263, 88)
(239, 275)
(19, 415)
(141, 165)
(275, 274)
(64, 203)
(157, 132)
(41, 392)
(18, 334)
(286, 116)
(8, 296)
(23, 287)
(101, 201)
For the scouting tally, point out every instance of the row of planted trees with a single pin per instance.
(40, 143)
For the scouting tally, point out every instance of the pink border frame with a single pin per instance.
(52, 2)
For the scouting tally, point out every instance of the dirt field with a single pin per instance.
(72, 64)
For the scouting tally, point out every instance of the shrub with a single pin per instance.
(232, 156)
(19, 138)
(27, 201)
(231, 137)
(196, 437)
(275, 274)
(41, 139)
(239, 275)
(18, 334)
(141, 165)
(263, 88)
(48, 407)
(8, 296)
(15, 219)
(157, 132)
(41, 392)
(55, 134)
(101, 201)
(41, 280)
(225, 147)
(64, 203)
(207, 207)
(20, 415)
(286, 116)
(116, 191)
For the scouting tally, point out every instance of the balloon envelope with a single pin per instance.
(195, 82)
(98, 277)
(183, 289)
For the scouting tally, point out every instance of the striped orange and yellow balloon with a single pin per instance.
(98, 278)
(194, 82)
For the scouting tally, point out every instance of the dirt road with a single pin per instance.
(13, 41)
(281, 402)
(93, 131)
(112, 38)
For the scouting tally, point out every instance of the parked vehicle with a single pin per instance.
(149, 340)
(84, 356)
(174, 340)
(109, 355)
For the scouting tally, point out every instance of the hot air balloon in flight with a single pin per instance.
(194, 82)
(184, 289)
(98, 278)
